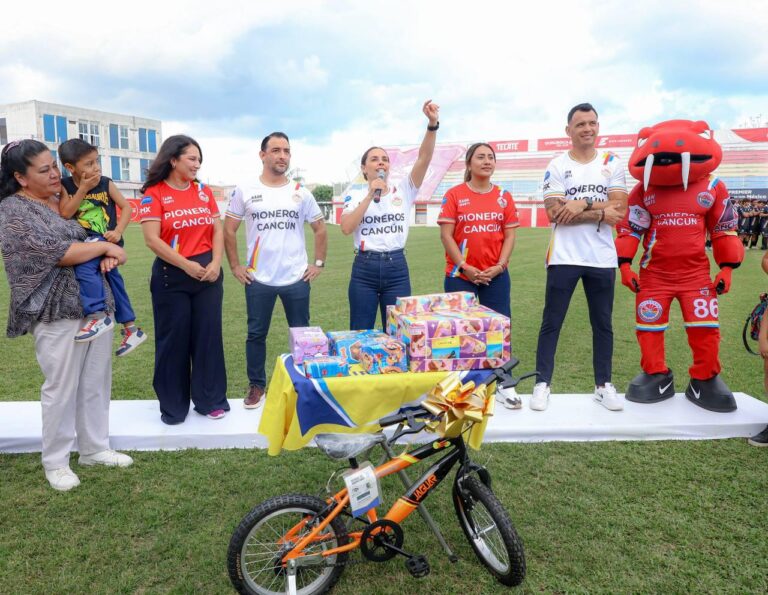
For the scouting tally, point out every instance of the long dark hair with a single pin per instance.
(470, 154)
(16, 158)
(172, 148)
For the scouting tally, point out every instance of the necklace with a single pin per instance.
(473, 189)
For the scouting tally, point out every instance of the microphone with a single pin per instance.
(377, 193)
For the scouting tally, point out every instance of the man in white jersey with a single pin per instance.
(585, 194)
(274, 211)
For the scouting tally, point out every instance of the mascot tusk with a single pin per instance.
(685, 160)
(647, 171)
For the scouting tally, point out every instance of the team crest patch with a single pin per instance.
(397, 201)
(649, 311)
(705, 199)
(203, 196)
(502, 202)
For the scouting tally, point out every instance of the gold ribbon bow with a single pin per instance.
(458, 405)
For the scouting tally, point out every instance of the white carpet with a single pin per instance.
(136, 425)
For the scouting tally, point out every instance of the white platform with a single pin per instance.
(136, 425)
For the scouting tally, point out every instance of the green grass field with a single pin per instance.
(640, 517)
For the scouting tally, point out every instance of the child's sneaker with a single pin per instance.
(133, 336)
(93, 328)
(216, 414)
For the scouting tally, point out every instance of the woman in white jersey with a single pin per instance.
(380, 217)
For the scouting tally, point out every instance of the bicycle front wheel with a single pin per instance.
(489, 530)
(269, 532)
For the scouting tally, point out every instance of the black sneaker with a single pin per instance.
(760, 439)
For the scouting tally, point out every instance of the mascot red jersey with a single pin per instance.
(671, 210)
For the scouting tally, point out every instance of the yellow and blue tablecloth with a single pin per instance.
(297, 408)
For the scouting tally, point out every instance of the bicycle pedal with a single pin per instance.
(418, 566)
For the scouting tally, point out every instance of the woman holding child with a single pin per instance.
(39, 249)
(477, 228)
(180, 221)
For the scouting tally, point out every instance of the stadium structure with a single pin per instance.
(520, 166)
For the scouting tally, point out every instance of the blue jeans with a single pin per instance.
(598, 288)
(260, 302)
(495, 295)
(378, 279)
(92, 295)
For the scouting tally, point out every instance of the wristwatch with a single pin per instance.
(319, 263)
(589, 201)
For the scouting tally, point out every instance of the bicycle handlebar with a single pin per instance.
(410, 416)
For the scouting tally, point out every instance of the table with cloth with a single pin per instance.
(297, 408)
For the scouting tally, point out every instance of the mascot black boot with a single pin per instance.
(651, 388)
(712, 395)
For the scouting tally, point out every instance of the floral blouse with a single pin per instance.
(33, 239)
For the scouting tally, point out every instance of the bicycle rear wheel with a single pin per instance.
(489, 531)
(259, 544)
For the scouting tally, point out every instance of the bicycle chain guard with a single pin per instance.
(376, 537)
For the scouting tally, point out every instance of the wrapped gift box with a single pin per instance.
(306, 342)
(450, 365)
(383, 357)
(477, 332)
(347, 343)
(325, 366)
(454, 301)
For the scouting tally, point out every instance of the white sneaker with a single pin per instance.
(509, 398)
(110, 458)
(540, 396)
(607, 397)
(132, 338)
(62, 479)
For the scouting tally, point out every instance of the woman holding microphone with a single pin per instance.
(380, 217)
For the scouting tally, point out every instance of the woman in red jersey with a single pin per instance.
(181, 226)
(477, 228)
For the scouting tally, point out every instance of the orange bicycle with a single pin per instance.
(297, 543)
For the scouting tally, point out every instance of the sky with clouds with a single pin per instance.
(341, 75)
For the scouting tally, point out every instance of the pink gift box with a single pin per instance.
(456, 300)
(450, 365)
(306, 342)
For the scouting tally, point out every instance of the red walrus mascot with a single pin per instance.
(677, 202)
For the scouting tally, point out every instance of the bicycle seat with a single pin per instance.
(346, 446)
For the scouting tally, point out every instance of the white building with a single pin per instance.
(127, 144)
